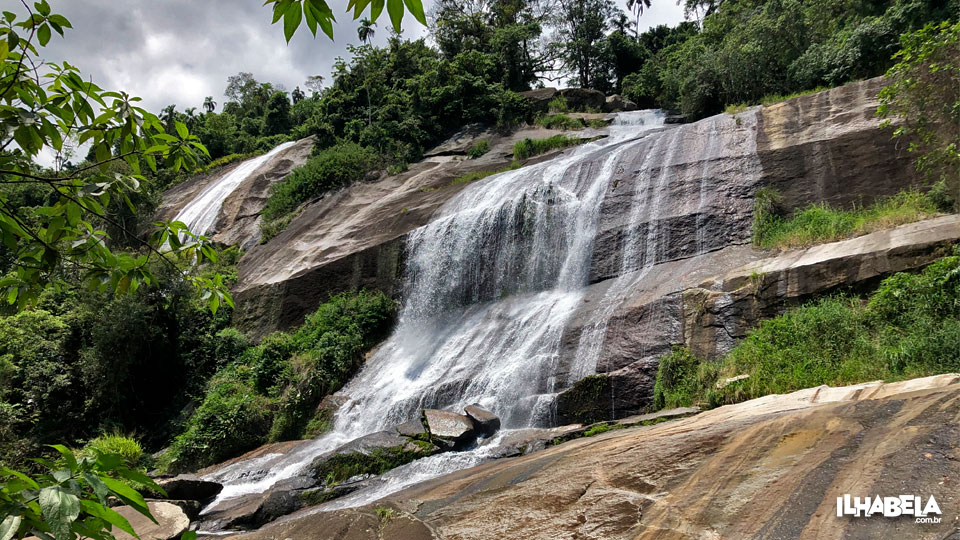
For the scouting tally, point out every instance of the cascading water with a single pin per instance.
(200, 214)
(492, 282)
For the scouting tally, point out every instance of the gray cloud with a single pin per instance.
(179, 51)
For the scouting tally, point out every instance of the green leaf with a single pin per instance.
(376, 8)
(189, 535)
(63, 450)
(395, 9)
(128, 495)
(99, 488)
(10, 472)
(181, 129)
(60, 509)
(291, 20)
(110, 516)
(9, 526)
(60, 20)
(416, 9)
(43, 34)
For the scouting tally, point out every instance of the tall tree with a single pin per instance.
(209, 104)
(365, 32)
(636, 6)
(582, 29)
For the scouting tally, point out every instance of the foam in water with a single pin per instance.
(491, 284)
(200, 214)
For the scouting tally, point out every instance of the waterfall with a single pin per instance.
(200, 214)
(490, 285)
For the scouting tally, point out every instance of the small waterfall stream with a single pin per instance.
(200, 214)
(491, 283)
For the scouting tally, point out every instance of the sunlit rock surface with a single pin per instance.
(766, 468)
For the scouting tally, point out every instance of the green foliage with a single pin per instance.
(340, 467)
(479, 175)
(328, 170)
(127, 448)
(63, 239)
(680, 380)
(71, 499)
(532, 147)
(924, 93)
(910, 327)
(558, 105)
(272, 391)
(559, 121)
(747, 50)
(318, 15)
(83, 363)
(604, 427)
(819, 223)
(478, 149)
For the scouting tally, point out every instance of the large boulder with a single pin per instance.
(189, 487)
(455, 429)
(171, 522)
(539, 100)
(617, 102)
(486, 422)
(582, 99)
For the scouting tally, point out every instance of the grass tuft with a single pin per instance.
(532, 147)
(820, 223)
(559, 121)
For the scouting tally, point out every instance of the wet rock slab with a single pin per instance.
(766, 468)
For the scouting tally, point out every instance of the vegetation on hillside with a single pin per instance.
(272, 391)
(909, 327)
(821, 223)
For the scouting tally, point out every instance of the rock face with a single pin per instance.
(582, 99)
(171, 522)
(791, 456)
(821, 147)
(238, 222)
(539, 100)
(485, 421)
(617, 102)
(683, 305)
(190, 487)
(354, 238)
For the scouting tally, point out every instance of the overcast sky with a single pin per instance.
(179, 51)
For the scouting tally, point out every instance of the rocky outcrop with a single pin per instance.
(350, 467)
(616, 103)
(170, 523)
(238, 222)
(683, 305)
(485, 421)
(354, 238)
(821, 147)
(538, 101)
(720, 311)
(583, 99)
(189, 487)
(455, 430)
(791, 456)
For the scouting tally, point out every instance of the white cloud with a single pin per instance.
(179, 51)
